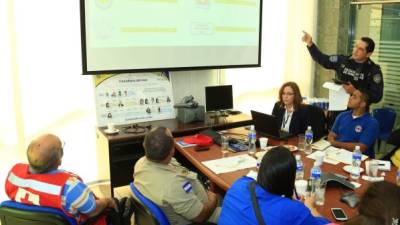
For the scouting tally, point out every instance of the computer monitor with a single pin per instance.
(219, 98)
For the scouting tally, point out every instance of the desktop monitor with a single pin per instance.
(219, 98)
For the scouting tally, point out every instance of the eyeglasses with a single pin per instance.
(287, 93)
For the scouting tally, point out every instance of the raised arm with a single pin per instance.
(329, 62)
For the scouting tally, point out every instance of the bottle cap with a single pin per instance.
(298, 157)
(357, 147)
(251, 127)
(308, 128)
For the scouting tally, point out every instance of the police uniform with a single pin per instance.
(363, 129)
(366, 75)
(174, 188)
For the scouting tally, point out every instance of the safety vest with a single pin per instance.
(39, 189)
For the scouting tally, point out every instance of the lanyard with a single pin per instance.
(286, 118)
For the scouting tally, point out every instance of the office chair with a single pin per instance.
(394, 139)
(317, 121)
(15, 213)
(147, 212)
(386, 117)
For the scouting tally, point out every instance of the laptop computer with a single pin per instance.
(267, 125)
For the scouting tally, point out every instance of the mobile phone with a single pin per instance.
(200, 149)
(339, 214)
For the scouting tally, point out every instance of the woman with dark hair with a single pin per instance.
(380, 205)
(271, 194)
(290, 110)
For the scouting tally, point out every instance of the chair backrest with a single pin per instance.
(151, 207)
(317, 121)
(14, 213)
(386, 117)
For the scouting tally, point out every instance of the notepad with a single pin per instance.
(321, 144)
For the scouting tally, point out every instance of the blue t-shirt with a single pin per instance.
(237, 208)
(364, 129)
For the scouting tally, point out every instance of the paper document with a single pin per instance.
(230, 164)
(338, 97)
(322, 144)
(327, 159)
(341, 155)
(184, 144)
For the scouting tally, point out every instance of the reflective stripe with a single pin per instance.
(34, 185)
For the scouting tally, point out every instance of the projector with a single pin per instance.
(188, 115)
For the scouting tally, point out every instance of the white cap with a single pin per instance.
(251, 127)
(308, 128)
(357, 147)
(298, 157)
(316, 163)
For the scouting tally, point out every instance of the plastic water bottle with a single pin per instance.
(308, 136)
(398, 177)
(299, 168)
(315, 177)
(251, 137)
(356, 162)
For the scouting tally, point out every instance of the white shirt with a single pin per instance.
(287, 118)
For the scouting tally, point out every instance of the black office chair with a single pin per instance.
(14, 213)
(317, 121)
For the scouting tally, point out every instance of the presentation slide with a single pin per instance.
(146, 34)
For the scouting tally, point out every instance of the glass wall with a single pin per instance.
(381, 22)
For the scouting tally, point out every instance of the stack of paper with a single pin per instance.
(183, 144)
(341, 155)
(230, 164)
(321, 144)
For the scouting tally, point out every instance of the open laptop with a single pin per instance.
(267, 125)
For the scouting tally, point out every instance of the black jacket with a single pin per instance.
(367, 75)
(307, 115)
(299, 121)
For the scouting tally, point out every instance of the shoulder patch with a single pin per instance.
(333, 58)
(377, 78)
(187, 187)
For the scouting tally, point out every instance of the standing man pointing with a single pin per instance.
(355, 71)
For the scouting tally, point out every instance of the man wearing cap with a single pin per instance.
(174, 188)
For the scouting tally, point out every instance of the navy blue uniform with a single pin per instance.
(366, 75)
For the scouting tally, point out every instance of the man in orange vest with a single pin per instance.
(42, 183)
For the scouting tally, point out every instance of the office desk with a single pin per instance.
(118, 153)
(225, 180)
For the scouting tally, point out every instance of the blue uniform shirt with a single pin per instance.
(364, 129)
(237, 208)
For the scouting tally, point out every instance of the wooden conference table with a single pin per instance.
(225, 180)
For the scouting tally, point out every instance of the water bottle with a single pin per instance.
(299, 168)
(308, 139)
(398, 177)
(315, 177)
(356, 162)
(251, 137)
